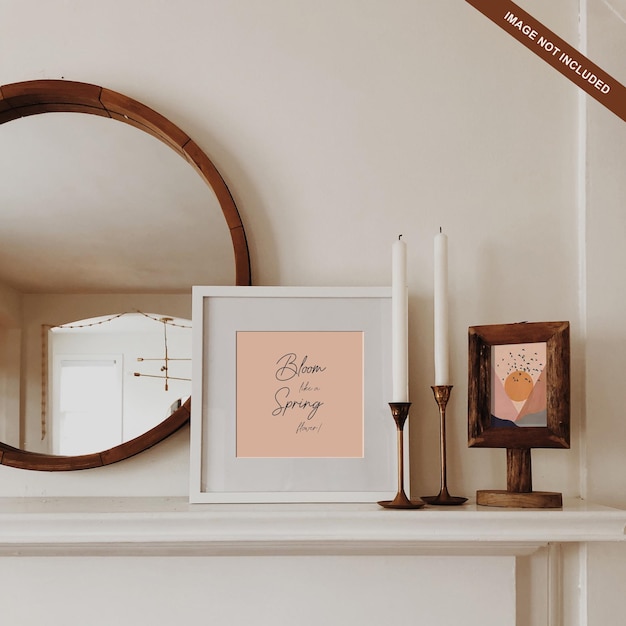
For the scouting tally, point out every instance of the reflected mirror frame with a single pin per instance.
(44, 96)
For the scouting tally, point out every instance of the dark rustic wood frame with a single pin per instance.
(519, 441)
(557, 432)
(45, 96)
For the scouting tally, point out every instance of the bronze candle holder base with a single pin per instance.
(443, 498)
(400, 412)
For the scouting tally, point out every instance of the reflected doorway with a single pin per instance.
(87, 403)
(111, 379)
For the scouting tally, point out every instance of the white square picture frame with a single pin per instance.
(239, 332)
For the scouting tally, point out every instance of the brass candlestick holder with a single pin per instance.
(400, 412)
(443, 498)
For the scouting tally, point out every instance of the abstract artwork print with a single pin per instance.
(518, 385)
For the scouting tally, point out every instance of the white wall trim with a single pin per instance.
(581, 200)
(582, 301)
(555, 585)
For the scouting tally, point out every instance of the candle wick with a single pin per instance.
(440, 229)
(399, 237)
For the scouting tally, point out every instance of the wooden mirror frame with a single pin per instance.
(44, 96)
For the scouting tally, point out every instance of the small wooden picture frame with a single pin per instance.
(519, 398)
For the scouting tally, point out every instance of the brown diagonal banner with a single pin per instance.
(557, 52)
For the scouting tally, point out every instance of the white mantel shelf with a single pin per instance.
(172, 526)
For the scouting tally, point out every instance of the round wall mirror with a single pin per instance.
(107, 221)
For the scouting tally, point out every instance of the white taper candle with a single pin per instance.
(400, 323)
(442, 365)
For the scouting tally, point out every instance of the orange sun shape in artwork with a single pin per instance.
(518, 386)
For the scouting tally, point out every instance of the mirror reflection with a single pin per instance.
(97, 217)
(92, 205)
(109, 379)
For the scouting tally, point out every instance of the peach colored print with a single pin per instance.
(300, 394)
(518, 383)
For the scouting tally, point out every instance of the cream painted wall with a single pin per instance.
(605, 427)
(339, 124)
(606, 296)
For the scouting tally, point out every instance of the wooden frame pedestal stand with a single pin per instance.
(519, 492)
